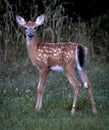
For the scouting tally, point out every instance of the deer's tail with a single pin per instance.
(81, 56)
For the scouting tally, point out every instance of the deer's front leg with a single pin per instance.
(40, 89)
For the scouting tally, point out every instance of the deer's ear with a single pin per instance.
(40, 20)
(21, 21)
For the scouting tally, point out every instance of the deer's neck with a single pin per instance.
(32, 45)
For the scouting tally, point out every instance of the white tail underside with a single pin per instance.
(77, 60)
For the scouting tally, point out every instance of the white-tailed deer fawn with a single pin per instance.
(56, 56)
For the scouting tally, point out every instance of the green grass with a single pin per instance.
(18, 83)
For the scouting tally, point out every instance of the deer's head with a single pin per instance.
(30, 27)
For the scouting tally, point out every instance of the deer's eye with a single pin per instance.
(26, 28)
(35, 28)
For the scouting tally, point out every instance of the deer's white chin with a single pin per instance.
(57, 68)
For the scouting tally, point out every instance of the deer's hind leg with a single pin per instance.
(87, 85)
(70, 73)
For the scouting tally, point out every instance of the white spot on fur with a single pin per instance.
(72, 52)
(85, 85)
(54, 54)
(74, 106)
(57, 68)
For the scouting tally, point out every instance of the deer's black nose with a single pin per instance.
(30, 35)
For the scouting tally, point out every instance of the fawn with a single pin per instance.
(66, 57)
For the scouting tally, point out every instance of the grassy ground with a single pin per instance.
(18, 96)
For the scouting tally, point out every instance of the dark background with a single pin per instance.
(84, 9)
